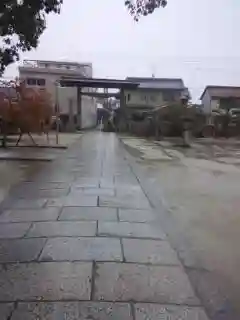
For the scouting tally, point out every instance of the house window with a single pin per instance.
(36, 82)
(168, 95)
(41, 82)
(128, 97)
(143, 97)
(31, 81)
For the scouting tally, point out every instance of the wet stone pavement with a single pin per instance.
(80, 240)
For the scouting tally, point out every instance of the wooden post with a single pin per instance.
(57, 112)
(71, 115)
(123, 118)
(79, 107)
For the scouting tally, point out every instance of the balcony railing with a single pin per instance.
(82, 68)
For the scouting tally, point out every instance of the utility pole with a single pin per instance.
(57, 111)
(79, 107)
(153, 69)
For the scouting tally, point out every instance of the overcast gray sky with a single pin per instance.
(198, 40)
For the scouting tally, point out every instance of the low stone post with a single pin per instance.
(186, 123)
(187, 131)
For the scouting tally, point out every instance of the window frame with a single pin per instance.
(43, 84)
(31, 81)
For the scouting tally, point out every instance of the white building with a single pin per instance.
(43, 75)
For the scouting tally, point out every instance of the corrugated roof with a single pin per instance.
(158, 83)
(222, 92)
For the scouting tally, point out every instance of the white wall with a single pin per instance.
(64, 97)
(209, 104)
(88, 106)
(206, 101)
(88, 112)
(214, 104)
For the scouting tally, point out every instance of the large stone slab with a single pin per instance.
(82, 249)
(56, 193)
(45, 281)
(72, 311)
(32, 188)
(107, 182)
(94, 191)
(28, 215)
(57, 177)
(74, 201)
(63, 228)
(133, 282)
(136, 215)
(20, 250)
(86, 182)
(6, 310)
(126, 180)
(87, 176)
(52, 185)
(26, 203)
(88, 213)
(13, 230)
(149, 251)
(168, 312)
(46, 194)
(128, 229)
(123, 190)
(124, 202)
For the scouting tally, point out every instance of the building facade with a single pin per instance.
(44, 75)
(220, 97)
(155, 92)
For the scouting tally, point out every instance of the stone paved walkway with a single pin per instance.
(81, 241)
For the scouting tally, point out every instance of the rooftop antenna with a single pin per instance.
(153, 71)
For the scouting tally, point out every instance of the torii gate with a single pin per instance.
(106, 84)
